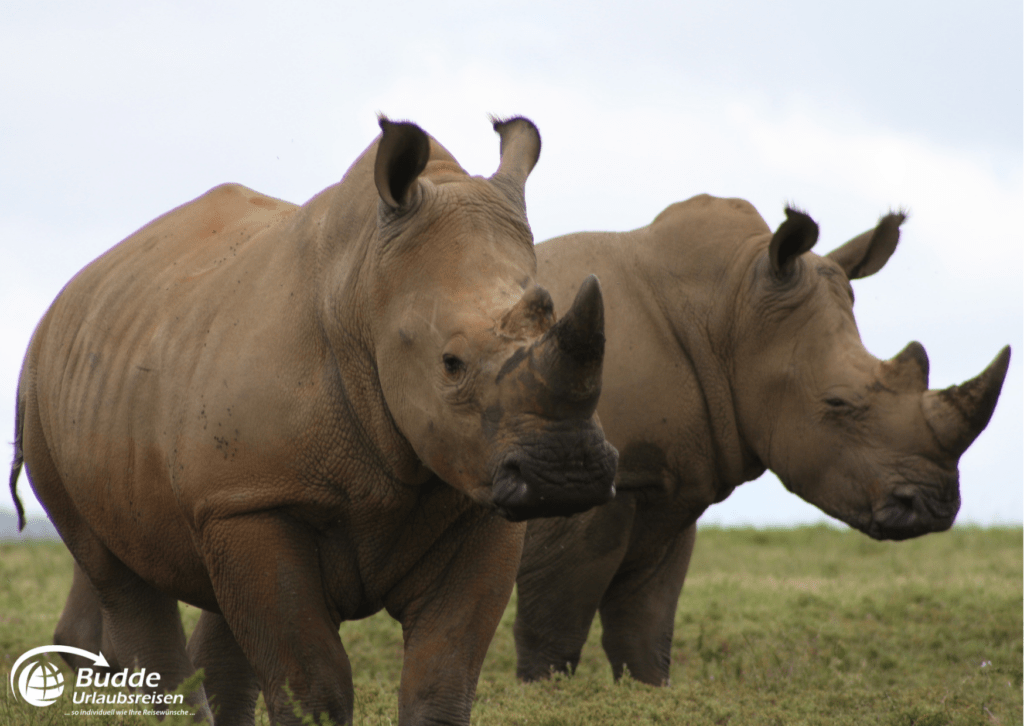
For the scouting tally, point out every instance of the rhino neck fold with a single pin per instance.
(735, 462)
(339, 225)
(697, 313)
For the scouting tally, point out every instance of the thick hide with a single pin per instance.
(293, 416)
(732, 349)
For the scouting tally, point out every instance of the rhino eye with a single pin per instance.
(838, 406)
(453, 365)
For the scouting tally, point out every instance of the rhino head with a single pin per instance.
(863, 439)
(493, 395)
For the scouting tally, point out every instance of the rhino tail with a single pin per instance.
(19, 458)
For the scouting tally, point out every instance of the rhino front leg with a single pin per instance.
(265, 569)
(638, 613)
(448, 629)
(230, 682)
(567, 565)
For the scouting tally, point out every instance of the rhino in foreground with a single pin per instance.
(293, 416)
(731, 349)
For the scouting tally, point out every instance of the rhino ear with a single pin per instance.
(520, 149)
(794, 236)
(402, 155)
(865, 254)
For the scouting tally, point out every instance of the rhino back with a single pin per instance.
(185, 353)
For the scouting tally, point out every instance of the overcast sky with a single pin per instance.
(113, 113)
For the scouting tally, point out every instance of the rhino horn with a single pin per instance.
(908, 370)
(520, 149)
(573, 350)
(956, 415)
(534, 313)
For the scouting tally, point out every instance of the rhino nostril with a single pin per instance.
(905, 497)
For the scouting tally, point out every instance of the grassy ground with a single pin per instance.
(801, 626)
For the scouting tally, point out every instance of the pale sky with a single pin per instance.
(113, 113)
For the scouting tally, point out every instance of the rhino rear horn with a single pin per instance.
(574, 348)
(956, 415)
(867, 253)
(520, 149)
(402, 154)
(535, 312)
(909, 369)
(794, 236)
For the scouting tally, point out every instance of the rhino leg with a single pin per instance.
(449, 625)
(144, 627)
(140, 625)
(638, 613)
(81, 625)
(567, 565)
(230, 682)
(265, 570)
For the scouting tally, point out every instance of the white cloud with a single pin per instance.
(110, 138)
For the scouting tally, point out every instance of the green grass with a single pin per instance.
(802, 626)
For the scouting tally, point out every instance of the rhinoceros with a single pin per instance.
(731, 349)
(294, 416)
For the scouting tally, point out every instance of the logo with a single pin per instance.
(41, 682)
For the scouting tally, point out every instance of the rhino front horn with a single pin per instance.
(956, 415)
(574, 348)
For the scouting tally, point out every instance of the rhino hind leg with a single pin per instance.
(230, 682)
(81, 625)
(144, 628)
(141, 627)
(638, 614)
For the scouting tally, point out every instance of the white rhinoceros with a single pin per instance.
(731, 349)
(293, 416)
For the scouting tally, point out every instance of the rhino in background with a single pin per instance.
(731, 350)
(293, 416)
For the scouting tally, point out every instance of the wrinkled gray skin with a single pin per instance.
(293, 416)
(730, 350)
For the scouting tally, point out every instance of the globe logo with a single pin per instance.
(41, 683)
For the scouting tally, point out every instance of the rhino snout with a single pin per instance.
(911, 510)
(559, 477)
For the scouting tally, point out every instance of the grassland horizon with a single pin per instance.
(797, 625)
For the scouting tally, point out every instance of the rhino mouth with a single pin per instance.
(912, 510)
(554, 475)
